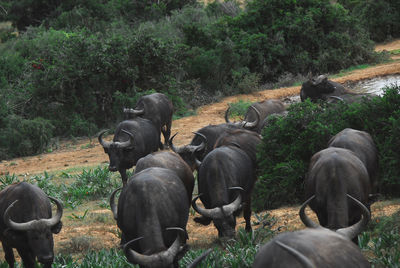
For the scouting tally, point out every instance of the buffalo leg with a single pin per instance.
(9, 255)
(124, 177)
(27, 259)
(247, 212)
(166, 130)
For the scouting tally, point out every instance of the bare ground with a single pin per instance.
(99, 230)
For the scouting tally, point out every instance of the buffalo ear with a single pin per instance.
(56, 228)
(16, 236)
(202, 220)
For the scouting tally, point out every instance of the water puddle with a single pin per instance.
(375, 85)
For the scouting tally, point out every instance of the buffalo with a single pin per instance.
(334, 173)
(172, 161)
(363, 146)
(132, 140)
(225, 170)
(157, 108)
(202, 143)
(321, 88)
(27, 224)
(315, 246)
(257, 114)
(151, 208)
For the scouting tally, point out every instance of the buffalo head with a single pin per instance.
(224, 216)
(116, 150)
(35, 234)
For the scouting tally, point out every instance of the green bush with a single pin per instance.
(21, 137)
(380, 18)
(289, 142)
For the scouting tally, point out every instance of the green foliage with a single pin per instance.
(92, 184)
(381, 241)
(22, 137)
(289, 142)
(238, 109)
(380, 18)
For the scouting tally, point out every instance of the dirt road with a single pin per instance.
(88, 153)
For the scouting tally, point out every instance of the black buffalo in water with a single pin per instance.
(225, 181)
(257, 113)
(315, 246)
(151, 208)
(333, 174)
(172, 161)
(202, 143)
(27, 224)
(363, 146)
(133, 139)
(321, 88)
(157, 108)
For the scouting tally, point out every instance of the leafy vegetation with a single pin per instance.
(289, 142)
(72, 189)
(75, 65)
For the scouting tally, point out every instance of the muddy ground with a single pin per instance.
(98, 229)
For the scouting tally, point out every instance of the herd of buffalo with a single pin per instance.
(153, 205)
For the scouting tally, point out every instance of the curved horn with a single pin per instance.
(113, 206)
(103, 143)
(354, 230)
(250, 125)
(227, 115)
(304, 218)
(200, 258)
(218, 212)
(136, 112)
(305, 262)
(202, 145)
(337, 98)
(125, 144)
(161, 259)
(171, 144)
(33, 224)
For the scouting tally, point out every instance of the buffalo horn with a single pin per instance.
(302, 259)
(218, 212)
(354, 230)
(250, 125)
(337, 98)
(125, 144)
(171, 144)
(113, 206)
(103, 143)
(304, 218)
(137, 112)
(227, 115)
(161, 259)
(200, 258)
(202, 145)
(33, 224)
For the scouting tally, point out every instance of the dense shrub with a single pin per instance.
(289, 142)
(380, 18)
(21, 137)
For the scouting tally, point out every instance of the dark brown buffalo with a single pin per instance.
(27, 224)
(315, 247)
(172, 161)
(333, 174)
(151, 207)
(257, 112)
(321, 88)
(157, 108)
(133, 139)
(363, 146)
(202, 143)
(224, 170)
